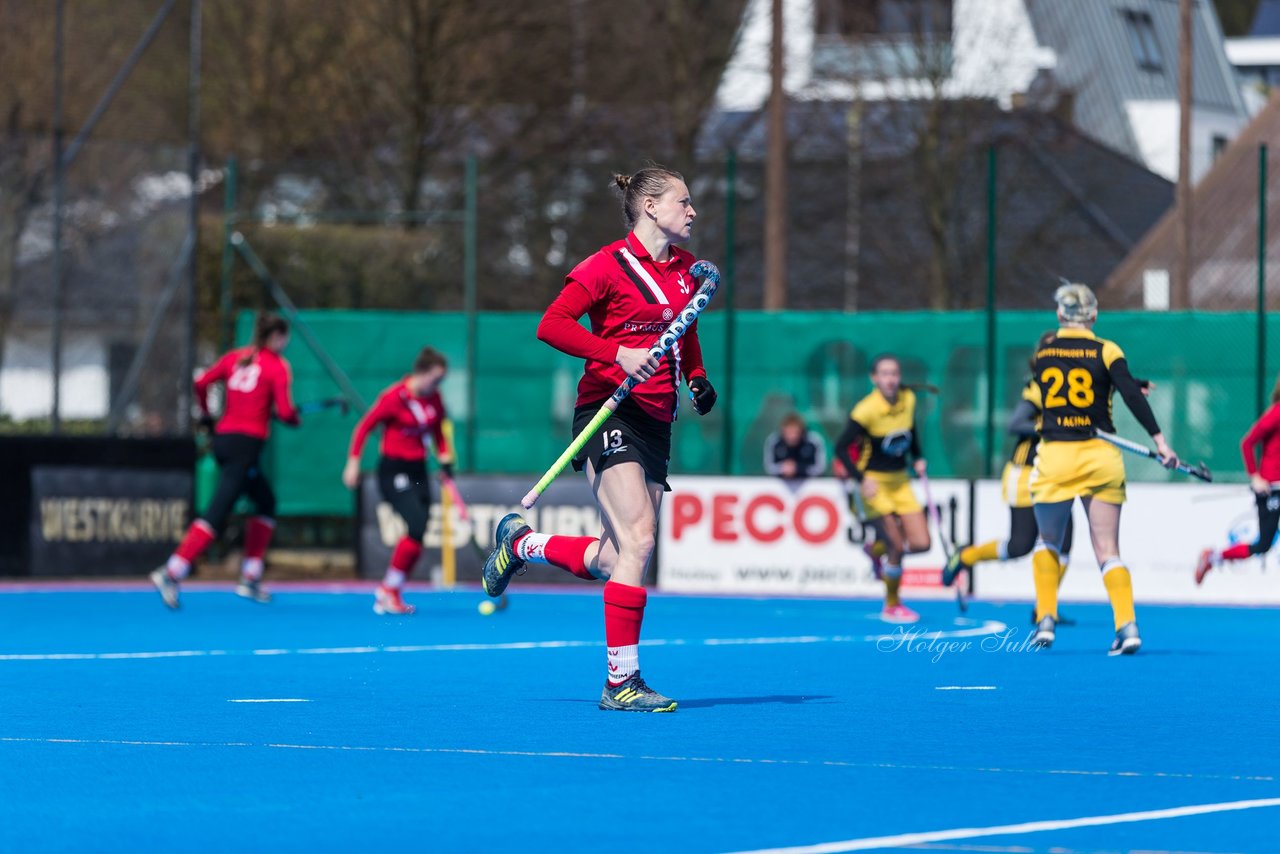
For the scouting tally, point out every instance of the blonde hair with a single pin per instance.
(1076, 303)
(649, 183)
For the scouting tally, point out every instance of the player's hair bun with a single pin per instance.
(649, 182)
(1076, 302)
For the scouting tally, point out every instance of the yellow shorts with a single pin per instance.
(1067, 470)
(1015, 485)
(893, 495)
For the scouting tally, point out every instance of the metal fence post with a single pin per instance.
(193, 174)
(730, 227)
(59, 191)
(470, 305)
(989, 421)
(229, 202)
(1260, 402)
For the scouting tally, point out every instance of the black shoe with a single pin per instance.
(1044, 635)
(1061, 620)
(167, 586)
(1127, 641)
(952, 569)
(634, 696)
(253, 590)
(503, 564)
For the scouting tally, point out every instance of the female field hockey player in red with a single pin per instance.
(256, 380)
(1264, 478)
(631, 290)
(408, 412)
(882, 431)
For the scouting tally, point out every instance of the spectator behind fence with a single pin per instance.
(794, 451)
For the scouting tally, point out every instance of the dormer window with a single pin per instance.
(1142, 40)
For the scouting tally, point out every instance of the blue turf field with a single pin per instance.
(450, 731)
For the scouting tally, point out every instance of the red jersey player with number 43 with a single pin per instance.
(631, 290)
(257, 384)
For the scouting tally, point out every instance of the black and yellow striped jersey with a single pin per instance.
(887, 431)
(1076, 374)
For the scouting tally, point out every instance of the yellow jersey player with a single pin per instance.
(1015, 483)
(882, 429)
(1077, 373)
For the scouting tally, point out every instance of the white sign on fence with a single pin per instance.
(1163, 528)
(758, 535)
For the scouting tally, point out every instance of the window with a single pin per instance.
(1142, 40)
(852, 18)
(1220, 144)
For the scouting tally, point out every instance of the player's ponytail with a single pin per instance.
(427, 359)
(268, 323)
(649, 183)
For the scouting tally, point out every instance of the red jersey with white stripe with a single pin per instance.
(257, 384)
(406, 420)
(630, 299)
(1265, 432)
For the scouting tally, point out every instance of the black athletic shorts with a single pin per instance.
(405, 486)
(629, 435)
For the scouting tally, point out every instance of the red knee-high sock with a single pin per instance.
(1239, 551)
(567, 553)
(405, 555)
(198, 538)
(257, 536)
(623, 614)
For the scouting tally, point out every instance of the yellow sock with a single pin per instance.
(1062, 572)
(891, 598)
(1045, 568)
(970, 555)
(1120, 588)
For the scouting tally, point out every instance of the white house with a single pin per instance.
(1110, 66)
(1256, 56)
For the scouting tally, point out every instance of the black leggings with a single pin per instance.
(1023, 532)
(404, 485)
(239, 473)
(1268, 519)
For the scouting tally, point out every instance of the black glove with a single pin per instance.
(702, 395)
(446, 471)
(206, 423)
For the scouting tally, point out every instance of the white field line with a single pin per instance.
(723, 760)
(990, 627)
(270, 700)
(965, 688)
(905, 839)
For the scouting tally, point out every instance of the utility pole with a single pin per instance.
(1182, 279)
(775, 179)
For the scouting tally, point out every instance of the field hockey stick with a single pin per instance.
(947, 548)
(451, 496)
(311, 407)
(710, 276)
(455, 498)
(857, 511)
(1201, 471)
